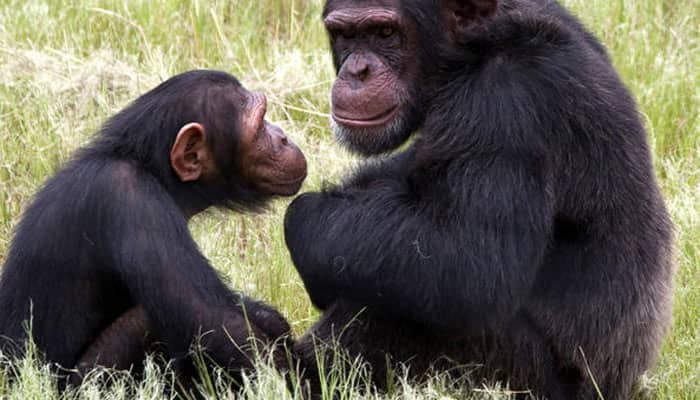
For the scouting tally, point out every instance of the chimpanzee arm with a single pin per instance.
(455, 248)
(164, 272)
(473, 263)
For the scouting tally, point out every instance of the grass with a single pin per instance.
(67, 65)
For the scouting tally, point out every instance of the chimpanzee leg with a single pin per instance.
(122, 345)
(381, 342)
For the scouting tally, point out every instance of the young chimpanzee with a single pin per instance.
(104, 252)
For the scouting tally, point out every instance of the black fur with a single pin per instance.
(521, 231)
(109, 232)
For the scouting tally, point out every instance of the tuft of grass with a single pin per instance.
(65, 66)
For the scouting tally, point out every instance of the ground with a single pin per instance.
(67, 65)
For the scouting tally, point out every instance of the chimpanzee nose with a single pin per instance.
(358, 67)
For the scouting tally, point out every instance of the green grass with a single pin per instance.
(67, 65)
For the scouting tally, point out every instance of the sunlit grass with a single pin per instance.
(66, 66)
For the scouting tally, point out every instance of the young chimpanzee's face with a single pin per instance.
(269, 161)
(263, 158)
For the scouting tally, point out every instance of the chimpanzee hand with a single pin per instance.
(313, 230)
(236, 339)
(308, 238)
(269, 320)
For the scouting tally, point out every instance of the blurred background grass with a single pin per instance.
(65, 66)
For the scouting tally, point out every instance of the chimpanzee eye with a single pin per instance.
(387, 32)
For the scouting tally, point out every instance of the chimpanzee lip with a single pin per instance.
(287, 187)
(293, 181)
(371, 122)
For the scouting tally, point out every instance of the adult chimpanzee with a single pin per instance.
(108, 233)
(523, 229)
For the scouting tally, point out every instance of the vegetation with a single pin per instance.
(67, 65)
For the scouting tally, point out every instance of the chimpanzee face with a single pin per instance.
(270, 162)
(264, 159)
(374, 50)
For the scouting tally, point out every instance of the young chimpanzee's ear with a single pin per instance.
(190, 156)
(459, 14)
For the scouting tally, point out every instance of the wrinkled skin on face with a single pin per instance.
(373, 100)
(269, 161)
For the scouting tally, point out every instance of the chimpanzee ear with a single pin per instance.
(190, 152)
(459, 14)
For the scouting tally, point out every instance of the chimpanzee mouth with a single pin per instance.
(371, 122)
(286, 187)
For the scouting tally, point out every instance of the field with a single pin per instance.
(65, 66)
